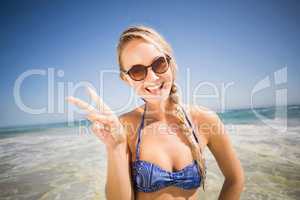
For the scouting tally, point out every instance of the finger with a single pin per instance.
(81, 104)
(99, 117)
(98, 129)
(101, 106)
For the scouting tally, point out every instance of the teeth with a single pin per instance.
(154, 87)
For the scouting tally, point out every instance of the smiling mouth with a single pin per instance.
(154, 89)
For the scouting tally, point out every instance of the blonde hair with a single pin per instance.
(150, 35)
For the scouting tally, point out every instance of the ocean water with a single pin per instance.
(60, 162)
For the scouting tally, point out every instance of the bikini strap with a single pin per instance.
(142, 125)
(186, 117)
(139, 136)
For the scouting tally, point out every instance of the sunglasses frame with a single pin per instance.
(166, 57)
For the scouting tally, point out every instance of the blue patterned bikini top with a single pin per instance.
(149, 177)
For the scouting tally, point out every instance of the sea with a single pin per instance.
(66, 161)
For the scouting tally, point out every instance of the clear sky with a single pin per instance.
(219, 42)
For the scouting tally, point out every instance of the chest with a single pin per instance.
(164, 145)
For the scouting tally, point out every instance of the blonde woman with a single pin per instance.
(156, 150)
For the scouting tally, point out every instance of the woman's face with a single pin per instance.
(155, 87)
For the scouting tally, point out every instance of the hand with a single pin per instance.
(105, 124)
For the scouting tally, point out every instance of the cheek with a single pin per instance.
(168, 77)
(138, 86)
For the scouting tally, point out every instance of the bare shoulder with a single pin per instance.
(131, 116)
(206, 120)
(202, 113)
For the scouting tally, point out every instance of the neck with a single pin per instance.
(159, 110)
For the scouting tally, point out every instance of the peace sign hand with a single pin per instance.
(106, 124)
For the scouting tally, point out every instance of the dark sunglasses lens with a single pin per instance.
(160, 65)
(137, 73)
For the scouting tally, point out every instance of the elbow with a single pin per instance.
(234, 185)
(239, 180)
(238, 184)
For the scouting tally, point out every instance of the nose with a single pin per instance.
(151, 75)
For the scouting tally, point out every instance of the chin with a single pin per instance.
(157, 98)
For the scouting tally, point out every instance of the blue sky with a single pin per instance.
(218, 41)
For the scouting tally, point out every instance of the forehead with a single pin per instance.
(138, 52)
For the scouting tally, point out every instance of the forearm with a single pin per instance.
(118, 181)
(231, 190)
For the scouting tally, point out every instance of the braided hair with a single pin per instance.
(150, 35)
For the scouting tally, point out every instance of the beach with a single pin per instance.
(60, 162)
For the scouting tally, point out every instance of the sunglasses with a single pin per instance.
(139, 72)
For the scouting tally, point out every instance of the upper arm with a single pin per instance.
(129, 155)
(218, 142)
(129, 126)
(125, 120)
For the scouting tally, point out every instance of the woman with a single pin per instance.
(155, 151)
